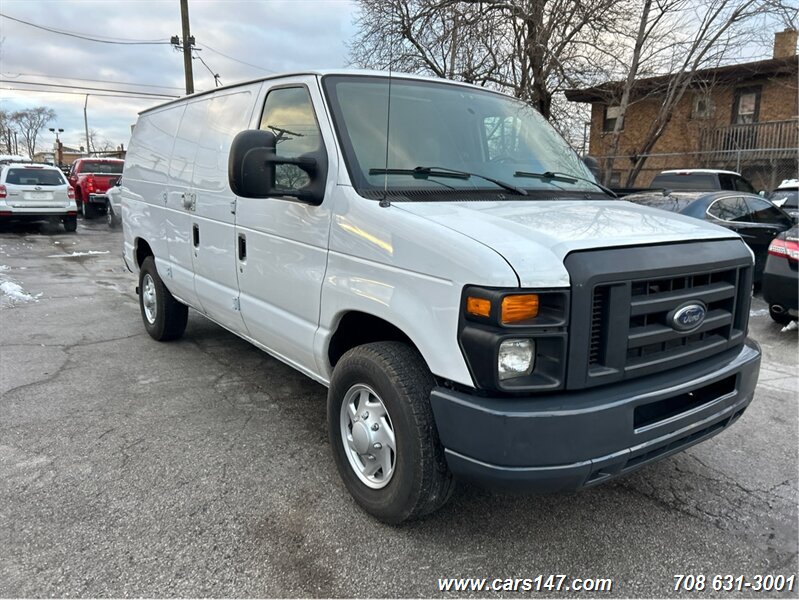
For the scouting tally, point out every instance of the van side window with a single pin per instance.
(289, 114)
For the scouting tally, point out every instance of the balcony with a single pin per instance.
(769, 139)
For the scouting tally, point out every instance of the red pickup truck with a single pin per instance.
(91, 178)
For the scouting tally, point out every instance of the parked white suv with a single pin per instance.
(36, 192)
(476, 303)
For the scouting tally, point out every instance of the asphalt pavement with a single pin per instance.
(201, 467)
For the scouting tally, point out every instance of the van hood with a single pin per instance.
(535, 236)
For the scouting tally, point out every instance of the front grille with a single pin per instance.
(624, 302)
(652, 343)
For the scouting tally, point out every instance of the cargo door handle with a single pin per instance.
(242, 248)
(195, 231)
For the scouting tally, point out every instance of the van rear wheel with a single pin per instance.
(383, 435)
(164, 317)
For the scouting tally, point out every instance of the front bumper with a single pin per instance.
(567, 441)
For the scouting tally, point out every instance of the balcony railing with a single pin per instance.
(769, 139)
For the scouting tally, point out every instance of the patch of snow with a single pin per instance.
(4, 267)
(12, 293)
(792, 326)
(89, 253)
(763, 312)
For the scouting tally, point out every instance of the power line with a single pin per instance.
(85, 88)
(147, 85)
(96, 95)
(237, 60)
(87, 37)
(217, 80)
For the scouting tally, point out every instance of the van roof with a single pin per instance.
(317, 73)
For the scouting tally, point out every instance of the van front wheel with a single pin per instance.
(164, 317)
(382, 432)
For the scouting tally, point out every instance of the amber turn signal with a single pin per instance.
(519, 308)
(479, 307)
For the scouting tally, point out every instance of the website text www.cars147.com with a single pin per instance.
(553, 583)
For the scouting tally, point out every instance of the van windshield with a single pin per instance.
(436, 127)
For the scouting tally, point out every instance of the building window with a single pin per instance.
(612, 113)
(703, 106)
(746, 105)
(615, 179)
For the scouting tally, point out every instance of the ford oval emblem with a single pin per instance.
(688, 316)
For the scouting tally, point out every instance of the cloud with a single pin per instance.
(277, 36)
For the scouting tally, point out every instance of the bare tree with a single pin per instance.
(98, 144)
(659, 54)
(521, 47)
(29, 123)
(6, 133)
(721, 26)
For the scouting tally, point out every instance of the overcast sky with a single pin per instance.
(270, 35)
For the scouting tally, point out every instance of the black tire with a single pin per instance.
(781, 318)
(421, 482)
(70, 223)
(89, 210)
(170, 316)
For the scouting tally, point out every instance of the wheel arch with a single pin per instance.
(141, 250)
(355, 328)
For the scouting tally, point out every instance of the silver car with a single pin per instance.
(36, 192)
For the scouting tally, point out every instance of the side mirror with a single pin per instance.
(592, 164)
(252, 162)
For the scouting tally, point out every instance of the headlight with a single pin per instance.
(514, 339)
(516, 358)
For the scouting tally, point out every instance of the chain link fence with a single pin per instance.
(765, 168)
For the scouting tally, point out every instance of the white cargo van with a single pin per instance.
(436, 254)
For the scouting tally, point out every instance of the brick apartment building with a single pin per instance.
(743, 117)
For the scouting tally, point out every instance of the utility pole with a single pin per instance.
(86, 123)
(187, 44)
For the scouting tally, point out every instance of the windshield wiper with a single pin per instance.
(564, 177)
(425, 172)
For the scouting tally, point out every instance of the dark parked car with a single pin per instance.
(781, 277)
(754, 218)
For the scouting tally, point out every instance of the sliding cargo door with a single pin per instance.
(213, 218)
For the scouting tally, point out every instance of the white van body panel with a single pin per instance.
(408, 271)
(535, 237)
(178, 220)
(144, 190)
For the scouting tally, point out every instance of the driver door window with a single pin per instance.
(289, 114)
